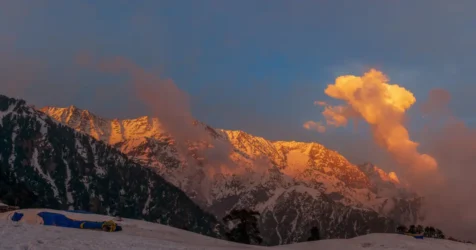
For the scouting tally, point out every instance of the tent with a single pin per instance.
(60, 220)
(416, 236)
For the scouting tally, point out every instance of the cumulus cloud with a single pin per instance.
(382, 105)
(338, 116)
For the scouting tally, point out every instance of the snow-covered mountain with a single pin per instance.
(141, 235)
(294, 185)
(44, 163)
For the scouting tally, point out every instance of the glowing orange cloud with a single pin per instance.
(383, 106)
(317, 126)
(338, 116)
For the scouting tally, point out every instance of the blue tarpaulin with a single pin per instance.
(17, 216)
(61, 220)
(54, 219)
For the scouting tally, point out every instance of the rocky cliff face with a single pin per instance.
(294, 185)
(44, 163)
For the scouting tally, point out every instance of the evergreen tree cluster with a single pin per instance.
(242, 227)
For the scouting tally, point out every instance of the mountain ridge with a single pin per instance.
(273, 177)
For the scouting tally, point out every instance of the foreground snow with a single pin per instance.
(380, 241)
(28, 234)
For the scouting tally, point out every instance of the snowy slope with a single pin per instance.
(144, 235)
(380, 242)
(294, 185)
(136, 234)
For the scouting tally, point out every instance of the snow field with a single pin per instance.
(136, 234)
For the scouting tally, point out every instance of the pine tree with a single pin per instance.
(314, 234)
(432, 232)
(427, 232)
(412, 229)
(244, 227)
(419, 229)
(439, 234)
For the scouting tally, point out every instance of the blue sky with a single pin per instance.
(250, 65)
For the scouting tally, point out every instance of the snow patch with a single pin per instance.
(80, 149)
(149, 199)
(12, 157)
(46, 176)
(69, 196)
(43, 127)
(6, 112)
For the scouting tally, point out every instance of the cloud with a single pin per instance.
(453, 144)
(317, 126)
(382, 105)
(171, 106)
(338, 116)
(162, 96)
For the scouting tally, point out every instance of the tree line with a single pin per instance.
(428, 232)
(242, 226)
